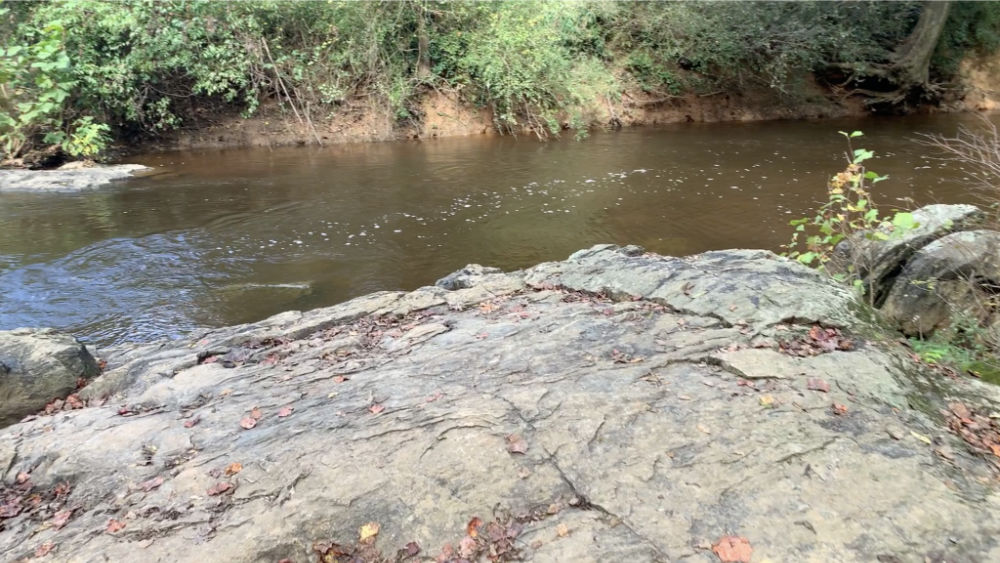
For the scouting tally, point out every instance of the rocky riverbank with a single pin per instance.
(71, 177)
(616, 406)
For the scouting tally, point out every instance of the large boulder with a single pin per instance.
(616, 406)
(876, 261)
(37, 366)
(958, 274)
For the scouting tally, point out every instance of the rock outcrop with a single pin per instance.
(37, 366)
(69, 179)
(957, 273)
(616, 406)
(877, 262)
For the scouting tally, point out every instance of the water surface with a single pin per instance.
(222, 237)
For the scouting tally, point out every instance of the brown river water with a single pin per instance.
(222, 237)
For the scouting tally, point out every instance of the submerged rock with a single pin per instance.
(65, 179)
(616, 406)
(37, 366)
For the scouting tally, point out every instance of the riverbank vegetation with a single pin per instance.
(78, 73)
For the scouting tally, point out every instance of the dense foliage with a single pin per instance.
(71, 68)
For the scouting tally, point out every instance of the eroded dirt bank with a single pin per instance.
(616, 406)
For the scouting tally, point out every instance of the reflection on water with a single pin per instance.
(224, 237)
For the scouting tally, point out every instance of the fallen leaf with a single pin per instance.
(467, 547)
(434, 397)
(368, 532)
(472, 528)
(233, 468)
(151, 484)
(412, 549)
(703, 429)
(219, 488)
(192, 422)
(285, 411)
(225, 392)
(733, 549)
(340, 379)
(22, 478)
(59, 519)
(839, 409)
(114, 526)
(562, 530)
(921, 437)
(516, 444)
(256, 414)
(767, 401)
(376, 408)
(44, 549)
(817, 384)
(248, 422)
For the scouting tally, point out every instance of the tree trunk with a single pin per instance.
(423, 44)
(913, 58)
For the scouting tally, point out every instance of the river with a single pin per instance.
(229, 236)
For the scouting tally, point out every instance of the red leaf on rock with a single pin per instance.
(434, 397)
(248, 422)
(256, 414)
(74, 402)
(114, 526)
(22, 478)
(817, 384)
(11, 508)
(839, 408)
(151, 484)
(467, 547)
(340, 379)
(412, 549)
(59, 519)
(516, 444)
(233, 468)
(376, 408)
(285, 411)
(219, 488)
(192, 422)
(733, 549)
(44, 549)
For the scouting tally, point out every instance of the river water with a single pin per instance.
(221, 237)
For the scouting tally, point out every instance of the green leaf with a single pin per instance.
(904, 220)
(806, 258)
(856, 134)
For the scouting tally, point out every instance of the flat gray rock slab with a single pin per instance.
(575, 408)
(69, 180)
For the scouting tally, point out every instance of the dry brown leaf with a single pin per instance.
(733, 549)
(376, 408)
(256, 414)
(44, 549)
(472, 528)
(248, 422)
(516, 444)
(59, 519)
(562, 530)
(233, 468)
(151, 484)
(839, 409)
(114, 526)
(192, 422)
(219, 488)
(817, 384)
(285, 411)
(341, 379)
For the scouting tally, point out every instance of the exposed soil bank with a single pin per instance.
(445, 114)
